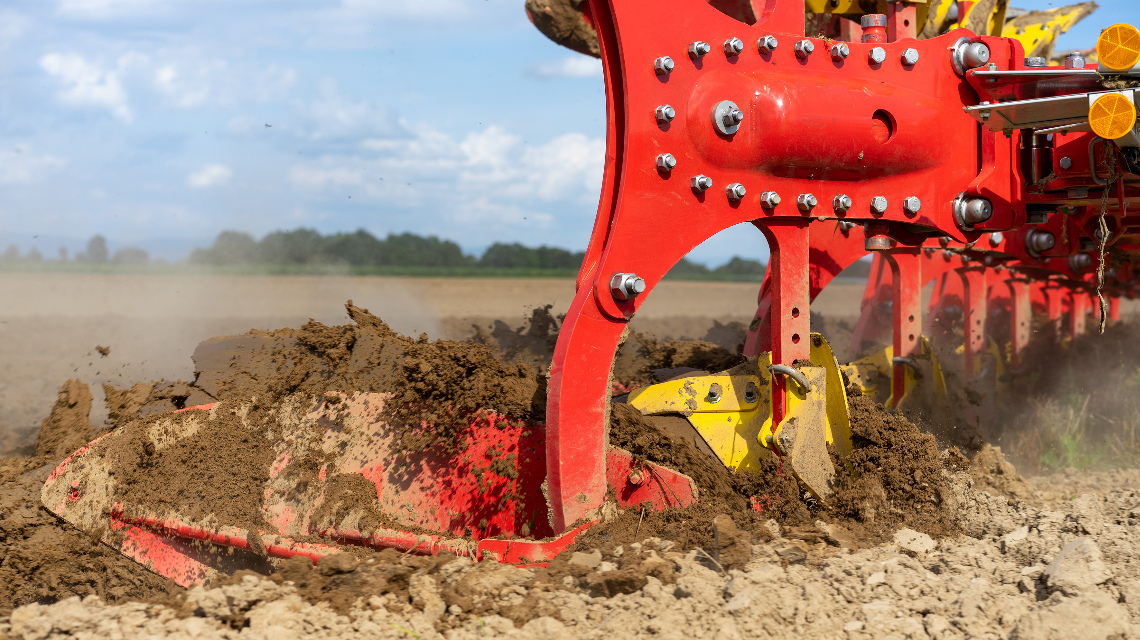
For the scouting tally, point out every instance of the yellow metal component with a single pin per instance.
(1118, 47)
(738, 427)
(1001, 384)
(1038, 30)
(872, 374)
(1112, 116)
(800, 435)
(925, 384)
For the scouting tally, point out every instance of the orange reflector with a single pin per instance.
(1112, 116)
(1118, 47)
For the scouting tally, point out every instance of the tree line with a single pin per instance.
(362, 249)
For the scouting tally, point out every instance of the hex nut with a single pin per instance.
(995, 238)
(1066, 163)
(841, 202)
(666, 162)
(910, 57)
(664, 113)
(699, 49)
(663, 65)
(876, 243)
(769, 199)
(626, 286)
(1036, 61)
(735, 191)
(1075, 61)
(806, 201)
(733, 47)
(700, 183)
(839, 51)
(767, 44)
(879, 204)
(912, 205)
(877, 55)
(727, 117)
(804, 48)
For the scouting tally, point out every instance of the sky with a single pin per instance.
(159, 123)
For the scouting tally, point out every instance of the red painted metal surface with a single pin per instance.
(473, 495)
(906, 310)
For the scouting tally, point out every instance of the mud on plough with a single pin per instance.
(953, 159)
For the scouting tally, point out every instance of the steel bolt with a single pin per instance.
(637, 476)
(1080, 261)
(1075, 61)
(806, 201)
(751, 393)
(879, 204)
(664, 113)
(735, 191)
(663, 65)
(727, 117)
(1038, 241)
(804, 48)
(1066, 162)
(971, 211)
(666, 162)
(841, 202)
(626, 286)
(911, 205)
(877, 55)
(840, 51)
(700, 183)
(844, 225)
(733, 46)
(910, 57)
(715, 393)
(995, 238)
(769, 199)
(698, 49)
(767, 44)
(1036, 61)
(944, 241)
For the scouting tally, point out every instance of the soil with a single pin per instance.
(917, 541)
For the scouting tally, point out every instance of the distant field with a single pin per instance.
(50, 323)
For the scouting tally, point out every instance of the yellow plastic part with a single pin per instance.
(1118, 47)
(1112, 116)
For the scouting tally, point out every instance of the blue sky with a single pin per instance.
(145, 120)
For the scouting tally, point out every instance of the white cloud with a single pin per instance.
(19, 165)
(336, 117)
(211, 175)
(103, 8)
(86, 84)
(576, 66)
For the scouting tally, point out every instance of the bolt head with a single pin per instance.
(664, 113)
(1036, 61)
(727, 117)
(976, 55)
(715, 393)
(666, 162)
(698, 49)
(733, 46)
(910, 57)
(879, 204)
(995, 238)
(841, 202)
(735, 191)
(805, 201)
(769, 199)
(663, 65)
(840, 51)
(877, 55)
(701, 183)
(912, 205)
(767, 44)
(1074, 61)
(626, 286)
(804, 48)
(1066, 163)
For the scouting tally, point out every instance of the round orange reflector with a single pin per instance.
(1112, 116)
(1118, 47)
